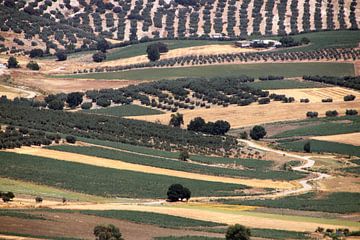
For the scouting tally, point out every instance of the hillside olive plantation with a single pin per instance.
(180, 119)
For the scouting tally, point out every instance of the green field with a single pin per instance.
(187, 238)
(140, 49)
(161, 220)
(18, 214)
(260, 172)
(326, 39)
(125, 110)
(323, 126)
(228, 70)
(322, 146)
(338, 202)
(102, 181)
(284, 84)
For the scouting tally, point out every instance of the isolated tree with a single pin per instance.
(109, 232)
(12, 62)
(7, 196)
(74, 99)
(307, 147)
(38, 199)
(176, 120)
(177, 192)
(196, 124)
(238, 232)
(32, 65)
(184, 155)
(61, 55)
(99, 57)
(153, 52)
(102, 45)
(257, 132)
(70, 139)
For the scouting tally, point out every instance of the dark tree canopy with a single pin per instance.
(177, 192)
(307, 147)
(32, 65)
(37, 52)
(257, 132)
(99, 57)
(184, 155)
(109, 232)
(102, 45)
(153, 52)
(70, 139)
(12, 62)
(176, 120)
(74, 99)
(196, 124)
(61, 55)
(238, 232)
(56, 104)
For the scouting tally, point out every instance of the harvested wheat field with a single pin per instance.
(241, 116)
(250, 219)
(11, 92)
(349, 138)
(340, 184)
(115, 164)
(317, 94)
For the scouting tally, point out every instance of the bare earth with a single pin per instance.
(115, 164)
(349, 138)
(242, 116)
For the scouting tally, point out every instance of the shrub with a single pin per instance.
(177, 192)
(109, 232)
(38, 199)
(98, 57)
(184, 155)
(103, 102)
(312, 114)
(7, 196)
(351, 112)
(86, 105)
(33, 66)
(333, 113)
(349, 98)
(238, 232)
(244, 135)
(61, 55)
(196, 124)
(102, 45)
(176, 120)
(70, 139)
(257, 132)
(12, 62)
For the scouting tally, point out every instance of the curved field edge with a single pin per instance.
(102, 181)
(226, 70)
(259, 172)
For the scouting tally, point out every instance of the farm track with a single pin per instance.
(120, 165)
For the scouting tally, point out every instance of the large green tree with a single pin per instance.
(257, 132)
(153, 52)
(12, 62)
(176, 120)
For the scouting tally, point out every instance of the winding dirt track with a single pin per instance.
(115, 164)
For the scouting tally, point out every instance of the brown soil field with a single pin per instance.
(115, 164)
(81, 226)
(317, 94)
(211, 214)
(349, 138)
(242, 116)
(340, 184)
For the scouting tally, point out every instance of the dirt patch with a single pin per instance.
(242, 116)
(81, 226)
(340, 184)
(115, 164)
(349, 138)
